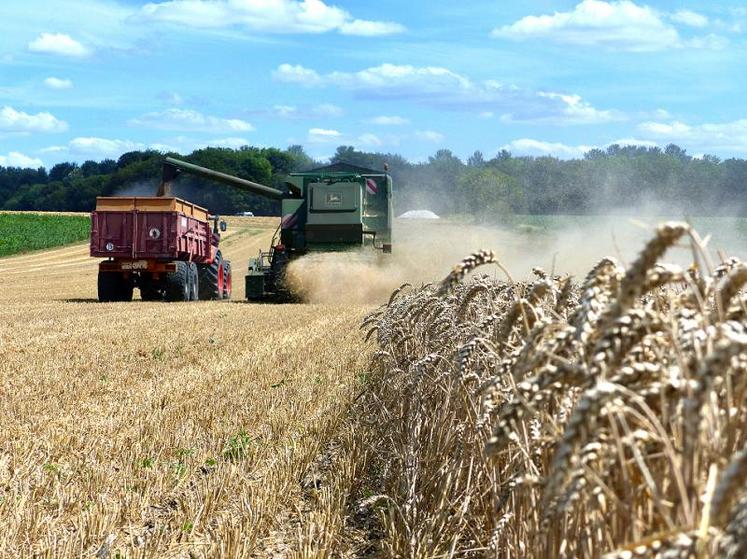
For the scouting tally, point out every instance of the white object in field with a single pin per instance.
(419, 214)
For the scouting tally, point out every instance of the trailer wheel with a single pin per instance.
(113, 287)
(226, 279)
(178, 283)
(211, 279)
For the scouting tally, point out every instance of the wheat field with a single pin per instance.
(162, 430)
(480, 416)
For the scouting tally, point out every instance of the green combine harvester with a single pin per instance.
(334, 208)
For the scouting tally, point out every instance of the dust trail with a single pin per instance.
(425, 251)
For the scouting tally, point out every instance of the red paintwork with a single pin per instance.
(182, 237)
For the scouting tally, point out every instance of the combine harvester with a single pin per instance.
(335, 208)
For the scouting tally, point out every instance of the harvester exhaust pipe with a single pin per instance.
(173, 167)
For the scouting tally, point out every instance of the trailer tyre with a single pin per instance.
(211, 279)
(114, 287)
(226, 279)
(178, 284)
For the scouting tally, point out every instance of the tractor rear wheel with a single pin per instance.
(226, 279)
(113, 287)
(211, 278)
(194, 282)
(178, 283)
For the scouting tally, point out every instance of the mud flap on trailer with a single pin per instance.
(255, 285)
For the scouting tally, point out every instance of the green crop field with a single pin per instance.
(26, 232)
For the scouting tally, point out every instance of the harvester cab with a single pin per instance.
(334, 208)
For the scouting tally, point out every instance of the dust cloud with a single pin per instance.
(425, 251)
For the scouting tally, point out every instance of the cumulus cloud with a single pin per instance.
(233, 143)
(445, 89)
(188, 120)
(58, 43)
(292, 112)
(708, 137)
(369, 140)
(12, 120)
(58, 83)
(389, 120)
(290, 73)
(528, 146)
(17, 159)
(365, 28)
(323, 135)
(571, 109)
(618, 25)
(430, 136)
(102, 146)
(690, 18)
(277, 16)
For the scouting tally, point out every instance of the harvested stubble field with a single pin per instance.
(162, 430)
(497, 418)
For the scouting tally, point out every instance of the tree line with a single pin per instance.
(619, 178)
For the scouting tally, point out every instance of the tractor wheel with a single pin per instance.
(178, 283)
(211, 279)
(194, 283)
(113, 286)
(226, 279)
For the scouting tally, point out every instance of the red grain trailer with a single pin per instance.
(166, 247)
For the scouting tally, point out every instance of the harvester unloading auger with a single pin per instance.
(335, 208)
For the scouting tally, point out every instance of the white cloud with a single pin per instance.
(183, 119)
(729, 137)
(430, 136)
(572, 109)
(94, 146)
(292, 112)
(527, 146)
(289, 73)
(326, 109)
(171, 97)
(12, 120)
(233, 143)
(619, 25)
(710, 41)
(389, 120)
(58, 83)
(634, 142)
(267, 16)
(369, 140)
(365, 28)
(445, 89)
(17, 159)
(320, 135)
(690, 18)
(58, 43)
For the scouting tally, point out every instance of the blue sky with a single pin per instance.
(90, 79)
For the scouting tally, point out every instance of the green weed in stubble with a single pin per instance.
(237, 446)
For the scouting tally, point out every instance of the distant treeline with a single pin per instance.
(616, 179)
